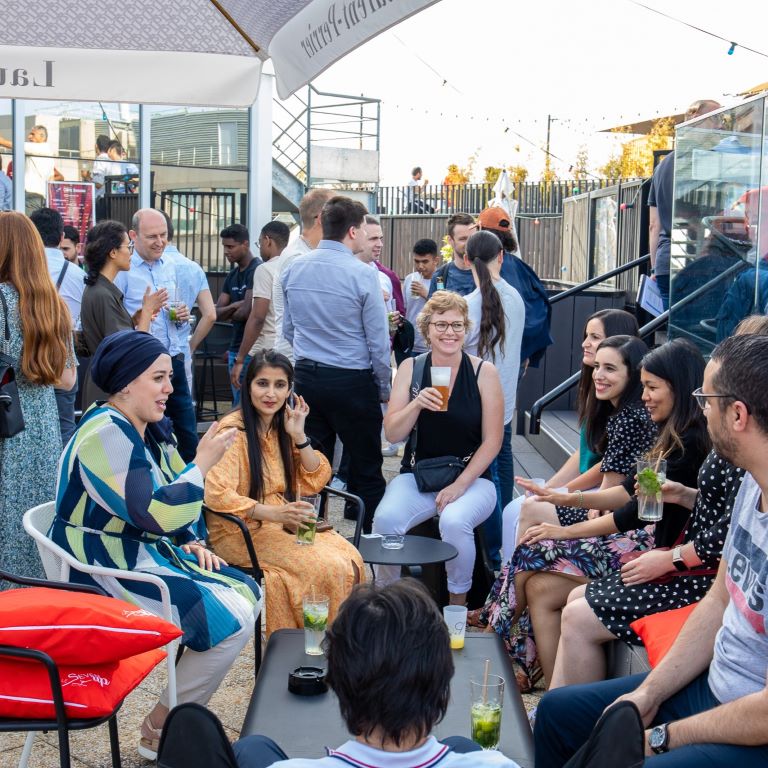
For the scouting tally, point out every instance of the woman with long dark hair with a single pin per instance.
(270, 465)
(36, 333)
(108, 251)
(669, 375)
(497, 321)
(581, 472)
(629, 434)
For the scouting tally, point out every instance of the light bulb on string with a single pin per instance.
(732, 49)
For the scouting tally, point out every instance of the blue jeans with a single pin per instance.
(566, 716)
(181, 411)
(503, 476)
(65, 404)
(230, 365)
(662, 281)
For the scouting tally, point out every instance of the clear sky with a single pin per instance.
(508, 64)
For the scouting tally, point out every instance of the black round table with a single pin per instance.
(417, 550)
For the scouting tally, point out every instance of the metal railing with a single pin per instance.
(534, 427)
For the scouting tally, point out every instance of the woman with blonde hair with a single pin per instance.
(35, 332)
(470, 428)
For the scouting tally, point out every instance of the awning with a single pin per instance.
(196, 52)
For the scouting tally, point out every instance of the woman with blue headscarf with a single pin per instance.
(125, 499)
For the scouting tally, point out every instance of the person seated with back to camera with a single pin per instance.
(390, 666)
(271, 465)
(471, 429)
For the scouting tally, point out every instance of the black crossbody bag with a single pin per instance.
(431, 475)
(11, 416)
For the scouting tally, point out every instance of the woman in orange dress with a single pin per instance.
(258, 479)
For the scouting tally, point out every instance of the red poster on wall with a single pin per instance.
(75, 201)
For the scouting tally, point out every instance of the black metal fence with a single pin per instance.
(532, 197)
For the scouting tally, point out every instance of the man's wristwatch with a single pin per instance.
(658, 739)
(677, 559)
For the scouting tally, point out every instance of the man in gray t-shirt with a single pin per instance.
(707, 699)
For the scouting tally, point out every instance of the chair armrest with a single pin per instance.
(246, 534)
(28, 581)
(358, 502)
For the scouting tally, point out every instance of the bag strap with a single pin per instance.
(417, 377)
(5, 343)
(61, 275)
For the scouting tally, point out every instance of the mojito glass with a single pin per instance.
(485, 712)
(651, 475)
(315, 609)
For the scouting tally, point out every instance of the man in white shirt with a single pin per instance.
(259, 331)
(38, 167)
(390, 666)
(68, 279)
(311, 233)
(103, 166)
(426, 259)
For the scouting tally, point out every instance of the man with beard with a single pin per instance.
(456, 275)
(707, 700)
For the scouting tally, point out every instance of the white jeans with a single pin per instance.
(404, 506)
(510, 517)
(199, 673)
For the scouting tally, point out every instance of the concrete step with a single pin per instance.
(558, 438)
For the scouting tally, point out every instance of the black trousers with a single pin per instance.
(346, 403)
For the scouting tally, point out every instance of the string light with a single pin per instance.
(700, 29)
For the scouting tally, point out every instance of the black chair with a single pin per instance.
(213, 349)
(254, 569)
(62, 723)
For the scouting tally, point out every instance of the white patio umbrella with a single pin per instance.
(503, 197)
(196, 52)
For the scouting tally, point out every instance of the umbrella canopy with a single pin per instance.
(197, 52)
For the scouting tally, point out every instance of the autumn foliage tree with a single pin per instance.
(635, 158)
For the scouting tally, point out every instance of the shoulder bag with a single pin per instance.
(11, 416)
(431, 475)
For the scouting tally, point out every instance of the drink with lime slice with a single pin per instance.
(486, 724)
(651, 475)
(315, 621)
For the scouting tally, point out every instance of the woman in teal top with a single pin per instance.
(125, 499)
(581, 472)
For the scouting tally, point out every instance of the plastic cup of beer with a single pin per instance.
(455, 617)
(651, 475)
(485, 711)
(305, 531)
(441, 381)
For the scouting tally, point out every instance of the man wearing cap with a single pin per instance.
(456, 275)
(519, 275)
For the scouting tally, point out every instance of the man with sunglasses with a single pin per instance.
(706, 703)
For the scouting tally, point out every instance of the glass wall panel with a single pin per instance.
(199, 171)
(6, 194)
(61, 146)
(604, 236)
(719, 223)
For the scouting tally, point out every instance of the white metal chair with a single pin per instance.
(58, 563)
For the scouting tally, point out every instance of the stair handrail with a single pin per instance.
(534, 426)
(599, 279)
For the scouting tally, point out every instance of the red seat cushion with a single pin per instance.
(660, 630)
(89, 690)
(73, 627)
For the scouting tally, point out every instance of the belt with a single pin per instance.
(313, 365)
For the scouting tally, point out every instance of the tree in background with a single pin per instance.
(518, 173)
(456, 175)
(635, 159)
(491, 175)
(580, 169)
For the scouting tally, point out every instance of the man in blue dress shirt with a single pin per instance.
(334, 317)
(152, 270)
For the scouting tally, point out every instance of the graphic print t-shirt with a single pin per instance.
(741, 647)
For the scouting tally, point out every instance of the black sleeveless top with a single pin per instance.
(457, 431)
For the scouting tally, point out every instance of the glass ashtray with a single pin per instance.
(392, 541)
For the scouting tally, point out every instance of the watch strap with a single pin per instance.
(677, 559)
(305, 444)
(658, 739)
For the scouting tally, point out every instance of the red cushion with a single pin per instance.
(72, 627)
(660, 630)
(89, 690)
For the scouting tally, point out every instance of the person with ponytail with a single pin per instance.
(497, 321)
(39, 329)
(108, 252)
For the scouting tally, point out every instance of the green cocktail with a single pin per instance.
(305, 532)
(315, 621)
(486, 724)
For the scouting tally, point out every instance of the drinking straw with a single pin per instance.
(485, 681)
(314, 596)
